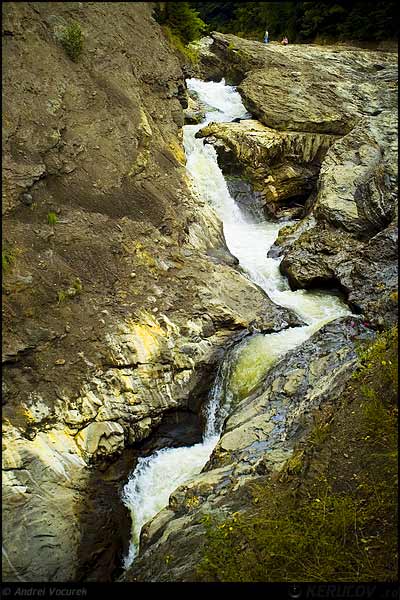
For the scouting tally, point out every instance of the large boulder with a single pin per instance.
(357, 185)
(282, 166)
(366, 272)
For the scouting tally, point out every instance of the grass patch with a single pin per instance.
(376, 382)
(332, 513)
(71, 292)
(61, 296)
(52, 218)
(319, 433)
(324, 539)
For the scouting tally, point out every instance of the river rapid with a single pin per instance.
(249, 237)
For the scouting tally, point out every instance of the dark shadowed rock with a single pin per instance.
(366, 271)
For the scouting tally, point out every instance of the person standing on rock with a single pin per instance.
(266, 37)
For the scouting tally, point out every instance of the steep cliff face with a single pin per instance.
(117, 308)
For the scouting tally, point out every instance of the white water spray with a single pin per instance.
(248, 238)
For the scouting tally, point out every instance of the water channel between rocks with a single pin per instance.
(249, 238)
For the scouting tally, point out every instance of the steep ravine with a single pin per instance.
(116, 316)
(351, 212)
(328, 124)
(248, 237)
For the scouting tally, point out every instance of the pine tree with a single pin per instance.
(182, 20)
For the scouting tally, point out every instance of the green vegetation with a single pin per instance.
(377, 379)
(181, 25)
(61, 296)
(187, 54)
(331, 515)
(71, 292)
(72, 41)
(77, 285)
(7, 258)
(303, 21)
(182, 20)
(52, 218)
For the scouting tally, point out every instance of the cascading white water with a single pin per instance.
(249, 239)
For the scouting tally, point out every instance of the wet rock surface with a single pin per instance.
(258, 438)
(282, 167)
(366, 272)
(195, 111)
(328, 130)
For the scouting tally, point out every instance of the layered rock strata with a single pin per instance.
(282, 166)
(347, 239)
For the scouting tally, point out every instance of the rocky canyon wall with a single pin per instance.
(119, 295)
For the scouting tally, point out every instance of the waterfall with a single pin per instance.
(248, 238)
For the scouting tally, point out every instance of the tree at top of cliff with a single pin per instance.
(216, 14)
(349, 20)
(182, 20)
(280, 18)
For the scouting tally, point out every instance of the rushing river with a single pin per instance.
(249, 238)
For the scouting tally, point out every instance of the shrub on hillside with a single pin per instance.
(72, 40)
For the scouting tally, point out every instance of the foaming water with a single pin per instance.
(248, 238)
(155, 478)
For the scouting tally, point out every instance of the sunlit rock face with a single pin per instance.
(283, 167)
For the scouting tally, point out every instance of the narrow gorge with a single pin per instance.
(192, 258)
(248, 237)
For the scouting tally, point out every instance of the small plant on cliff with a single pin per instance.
(61, 296)
(52, 218)
(74, 290)
(72, 40)
(7, 258)
(77, 285)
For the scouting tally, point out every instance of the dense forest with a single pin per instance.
(344, 20)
